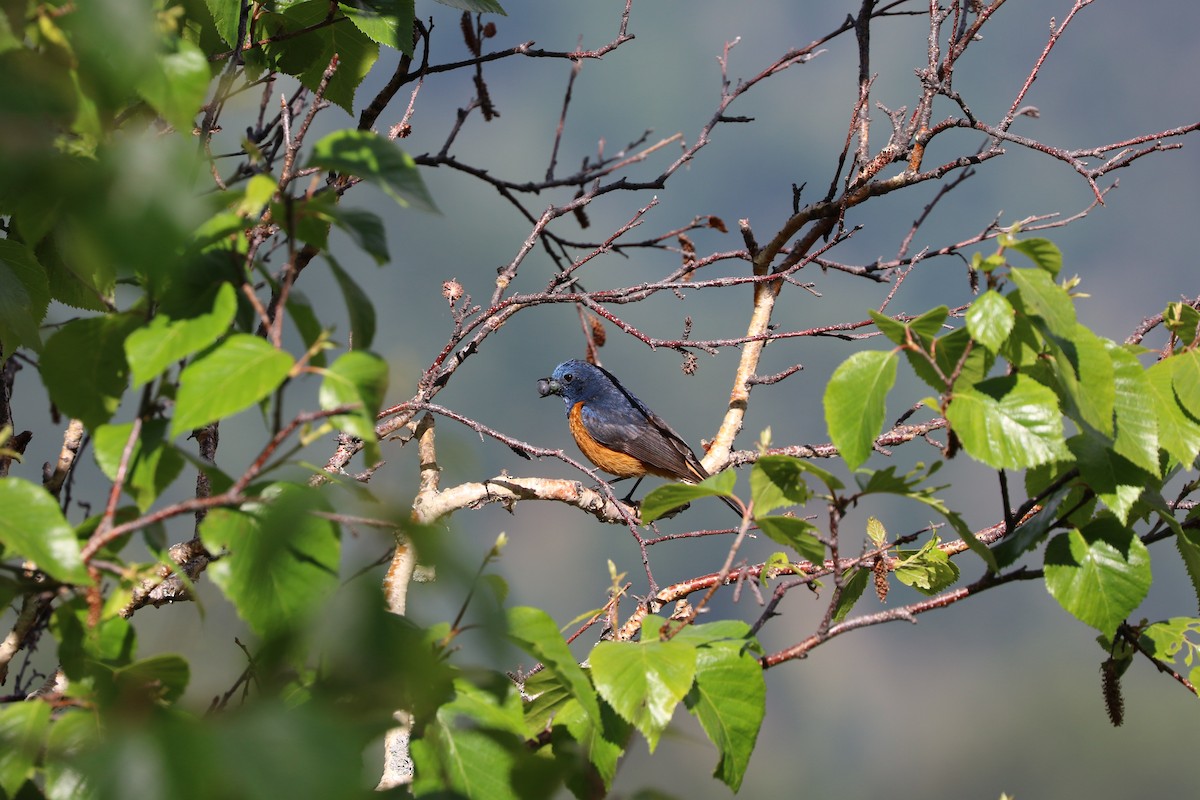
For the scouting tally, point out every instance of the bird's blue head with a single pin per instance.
(575, 381)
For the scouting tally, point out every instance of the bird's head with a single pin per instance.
(573, 381)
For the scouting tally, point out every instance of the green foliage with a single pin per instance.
(177, 308)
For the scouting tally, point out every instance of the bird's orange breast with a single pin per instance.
(607, 459)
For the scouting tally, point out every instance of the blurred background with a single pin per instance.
(997, 694)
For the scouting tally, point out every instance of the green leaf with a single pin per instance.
(536, 633)
(952, 357)
(990, 319)
(1189, 553)
(603, 744)
(177, 87)
(158, 679)
(1084, 372)
(257, 196)
(376, 160)
(855, 402)
(153, 463)
(480, 6)
(308, 55)
(163, 341)
(1136, 431)
(358, 306)
(364, 228)
(1116, 480)
(23, 729)
(463, 762)
(1168, 639)
(1033, 531)
(357, 378)
(1009, 422)
(1178, 432)
(924, 328)
(729, 699)
(1185, 377)
(777, 481)
(794, 533)
(1181, 320)
(852, 590)
(24, 297)
(928, 570)
(387, 22)
(1045, 299)
(33, 527)
(1099, 573)
(281, 560)
(644, 681)
(225, 15)
(73, 733)
(672, 495)
(231, 377)
(84, 366)
(1042, 252)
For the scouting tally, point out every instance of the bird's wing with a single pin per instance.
(637, 431)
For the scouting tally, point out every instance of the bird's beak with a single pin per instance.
(549, 386)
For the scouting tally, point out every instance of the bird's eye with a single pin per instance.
(568, 378)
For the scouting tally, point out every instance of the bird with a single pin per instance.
(617, 432)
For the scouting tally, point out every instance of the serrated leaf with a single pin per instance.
(1178, 433)
(1168, 639)
(952, 357)
(1185, 378)
(153, 462)
(855, 402)
(990, 319)
(279, 562)
(729, 699)
(24, 297)
(1046, 300)
(1042, 252)
(777, 481)
(1116, 480)
(672, 495)
(644, 681)
(795, 533)
(376, 160)
(929, 570)
(480, 6)
(23, 729)
(1033, 531)
(233, 376)
(308, 55)
(876, 531)
(1136, 431)
(84, 366)
(1181, 320)
(536, 633)
(467, 760)
(176, 88)
(162, 341)
(357, 378)
(365, 228)
(1009, 422)
(1099, 573)
(387, 22)
(225, 15)
(852, 590)
(1189, 553)
(359, 307)
(158, 679)
(1084, 372)
(33, 527)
